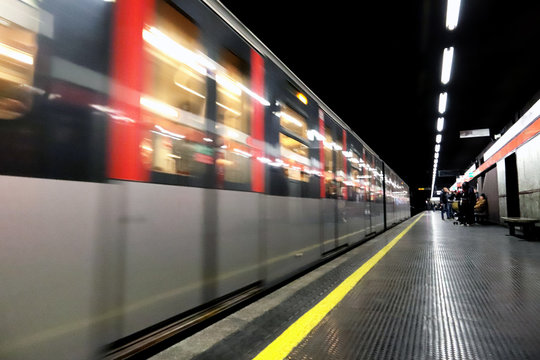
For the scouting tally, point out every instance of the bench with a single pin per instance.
(527, 224)
(481, 217)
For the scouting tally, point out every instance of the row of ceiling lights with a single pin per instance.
(452, 15)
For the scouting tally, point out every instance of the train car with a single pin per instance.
(157, 160)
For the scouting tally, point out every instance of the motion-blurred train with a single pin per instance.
(156, 161)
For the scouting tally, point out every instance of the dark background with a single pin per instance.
(377, 65)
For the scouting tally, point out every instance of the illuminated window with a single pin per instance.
(296, 154)
(233, 107)
(18, 48)
(294, 151)
(293, 122)
(174, 99)
(234, 162)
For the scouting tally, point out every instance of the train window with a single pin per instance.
(293, 122)
(233, 115)
(177, 75)
(296, 154)
(233, 162)
(18, 48)
(177, 149)
(293, 149)
(175, 95)
(233, 105)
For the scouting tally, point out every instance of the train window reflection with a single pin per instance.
(177, 149)
(233, 163)
(175, 99)
(18, 48)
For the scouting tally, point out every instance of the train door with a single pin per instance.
(343, 184)
(355, 201)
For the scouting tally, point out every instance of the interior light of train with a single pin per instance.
(257, 97)
(147, 148)
(159, 107)
(174, 156)
(448, 55)
(302, 98)
(442, 102)
(437, 147)
(452, 14)
(440, 124)
(176, 51)
(228, 109)
(314, 134)
(208, 139)
(16, 54)
(228, 84)
(189, 90)
(347, 154)
(289, 118)
(438, 138)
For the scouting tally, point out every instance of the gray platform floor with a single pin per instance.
(442, 292)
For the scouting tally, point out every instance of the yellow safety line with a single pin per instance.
(291, 337)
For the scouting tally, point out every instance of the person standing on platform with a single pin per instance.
(450, 198)
(444, 203)
(468, 201)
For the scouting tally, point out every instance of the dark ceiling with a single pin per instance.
(378, 66)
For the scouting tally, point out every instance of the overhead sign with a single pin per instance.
(449, 173)
(473, 133)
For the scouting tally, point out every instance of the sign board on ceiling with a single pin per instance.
(473, 133)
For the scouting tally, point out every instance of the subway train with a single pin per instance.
(158, 161)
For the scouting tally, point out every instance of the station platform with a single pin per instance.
(425, 289)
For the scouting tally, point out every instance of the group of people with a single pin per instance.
(466, 203)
